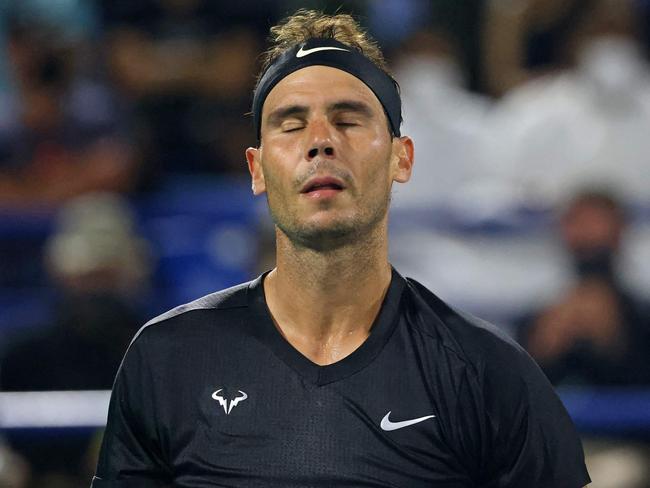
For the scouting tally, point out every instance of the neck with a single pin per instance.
(324, 302)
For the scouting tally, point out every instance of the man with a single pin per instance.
(331, 369)
(597, 331)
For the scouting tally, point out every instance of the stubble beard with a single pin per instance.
(354, 230)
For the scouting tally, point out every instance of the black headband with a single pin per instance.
(329, 52)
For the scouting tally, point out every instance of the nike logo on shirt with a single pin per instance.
(387, 425)
(302, 52)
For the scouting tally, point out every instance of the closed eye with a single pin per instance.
(292, 128)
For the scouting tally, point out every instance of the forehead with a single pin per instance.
(319, 85)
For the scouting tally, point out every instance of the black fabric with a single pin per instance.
(210, 394)
(336, 55)
(136, 483)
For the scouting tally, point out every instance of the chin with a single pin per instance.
(328, 231)
(323, 237)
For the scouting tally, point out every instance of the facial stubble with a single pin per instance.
(348, 228)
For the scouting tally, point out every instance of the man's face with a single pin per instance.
(327, 159)
(592, 233)
(589, 226)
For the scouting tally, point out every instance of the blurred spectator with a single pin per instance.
(391, 22)
(452, 186)
(596, 333)
(443, 118)
(73, 20)
(60, 129)
(189, 67)
(615, 463)
(525, 38)
(14, 471)
(100, 266)
(584, 126)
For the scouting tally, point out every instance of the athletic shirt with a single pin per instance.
(211, 395)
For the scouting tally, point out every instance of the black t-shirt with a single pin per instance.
(210, 394)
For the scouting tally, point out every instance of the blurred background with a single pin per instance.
(124, 192)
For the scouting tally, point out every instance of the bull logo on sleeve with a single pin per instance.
(226, 403)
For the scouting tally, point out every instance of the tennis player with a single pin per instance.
(331, 370)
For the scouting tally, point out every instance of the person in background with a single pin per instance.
(564, 130)
(445, 119)
(99, 266)
(14, 471)
(596, 333)
(186, 66)
(61, 132)
(522, 39)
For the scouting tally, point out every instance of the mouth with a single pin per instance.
(322, 184)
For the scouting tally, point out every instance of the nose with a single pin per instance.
(314, 151)
(320, 141)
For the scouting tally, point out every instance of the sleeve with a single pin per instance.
(131, 454)
(531, 439)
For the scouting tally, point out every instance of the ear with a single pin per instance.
(255, 169)
(402, 159)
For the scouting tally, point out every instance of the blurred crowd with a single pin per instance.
(529, 203)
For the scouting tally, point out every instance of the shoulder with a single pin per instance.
(500, 371)
(476, 342)
(213, 309)
(233, 297)
(504, 402)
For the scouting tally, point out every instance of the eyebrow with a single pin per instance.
(361, 108)
(282, 113)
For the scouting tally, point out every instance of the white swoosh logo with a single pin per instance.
(306, 52)
(387, 425)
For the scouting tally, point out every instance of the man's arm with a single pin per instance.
(531, 439)
(131, 453)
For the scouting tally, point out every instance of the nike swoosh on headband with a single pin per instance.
(306, 52)
(336, 55)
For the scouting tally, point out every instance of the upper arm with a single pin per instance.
(532, 440)
(131, 451)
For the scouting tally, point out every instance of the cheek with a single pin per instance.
(280, 153)
(278, 174)
(275, 183)
(378, 163)
(278, 146)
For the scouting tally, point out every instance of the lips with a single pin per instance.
(322, 183)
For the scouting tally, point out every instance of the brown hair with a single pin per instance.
(308, 24)
(598, 197)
